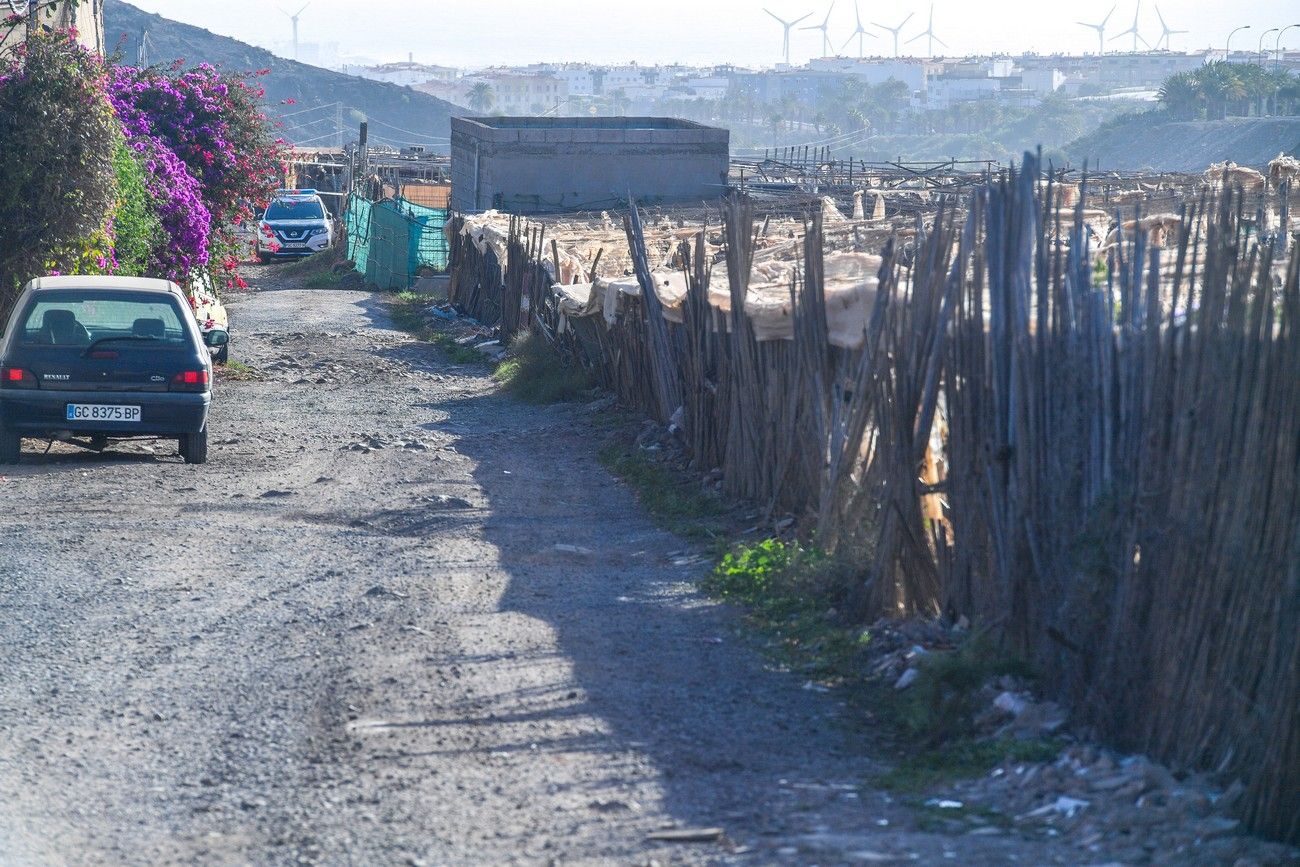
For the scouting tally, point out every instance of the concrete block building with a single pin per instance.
(539, 165)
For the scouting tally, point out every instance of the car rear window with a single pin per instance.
(289, 209)
(80, 317)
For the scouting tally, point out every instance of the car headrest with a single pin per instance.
(149, 328)
(59, 319)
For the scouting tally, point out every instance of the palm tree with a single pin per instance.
(619, 102)
(775, 121)
(1258, 84)
(1287, 94)
(1182, 96)
(482, 97)
(1222, 85)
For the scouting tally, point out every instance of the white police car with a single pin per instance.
(295, 224)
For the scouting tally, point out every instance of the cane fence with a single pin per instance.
(1093, 453)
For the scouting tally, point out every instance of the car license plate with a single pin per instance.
(295, 245)
(102, 412)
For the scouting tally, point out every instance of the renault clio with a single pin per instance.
(89, 360)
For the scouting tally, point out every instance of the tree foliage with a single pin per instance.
(57, 182)
(137, 230)
(1219, 90)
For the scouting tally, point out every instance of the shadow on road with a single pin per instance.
(658, 664)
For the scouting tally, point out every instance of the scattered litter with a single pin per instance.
(686, 835)
(1063, 806)
(944, 804)
(572, 549)
(448, 502)
(614, 806)
(908, 678)
(378, 592)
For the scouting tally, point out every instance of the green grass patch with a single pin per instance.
(323, 280)
(316, 263)
(536, 373)
(455, 352)
(941, 705)
(935, 819)
(237, 371)
(675, 502)
(408, 312)
(964, 758)
(790, 591)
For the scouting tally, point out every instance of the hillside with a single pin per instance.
(398, 115)
(1148, 142)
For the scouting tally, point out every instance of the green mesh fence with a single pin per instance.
(391, 241)
(357, 223)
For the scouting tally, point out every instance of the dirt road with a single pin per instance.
(351, 639)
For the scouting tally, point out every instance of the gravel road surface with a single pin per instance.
(351, 638)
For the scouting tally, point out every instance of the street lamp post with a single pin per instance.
(1260, 51)
(1227, 45)
(1277, 46)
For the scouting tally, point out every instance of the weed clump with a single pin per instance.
(676, 503)
(791, 591)
(963, 758)
(942, 703)
(536, 373)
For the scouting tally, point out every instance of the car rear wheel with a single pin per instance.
(11, 446)
(194, 447)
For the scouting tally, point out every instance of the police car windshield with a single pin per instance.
(295, 209)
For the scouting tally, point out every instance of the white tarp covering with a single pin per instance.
(850, 284)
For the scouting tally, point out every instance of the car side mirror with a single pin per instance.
(216, 337)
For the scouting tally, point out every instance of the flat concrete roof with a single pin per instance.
(603, 123)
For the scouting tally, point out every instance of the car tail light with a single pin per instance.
(191, 380)
(16, 377)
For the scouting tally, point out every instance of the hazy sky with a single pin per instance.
(486, 32)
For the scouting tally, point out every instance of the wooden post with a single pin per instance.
(363, 151)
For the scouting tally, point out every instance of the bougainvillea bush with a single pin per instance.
(212, 122)
(122, 170)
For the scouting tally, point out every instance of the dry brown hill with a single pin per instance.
(398, 115)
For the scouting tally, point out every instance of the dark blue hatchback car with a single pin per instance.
(88, 360)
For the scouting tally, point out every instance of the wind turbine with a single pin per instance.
(788, 25)
(142, 50)
(294, 18)
(824, 27)
(1165, 31)
(895, 30)
(1134, 30)
(1101, 29)
(860, 32)
(929, 31)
